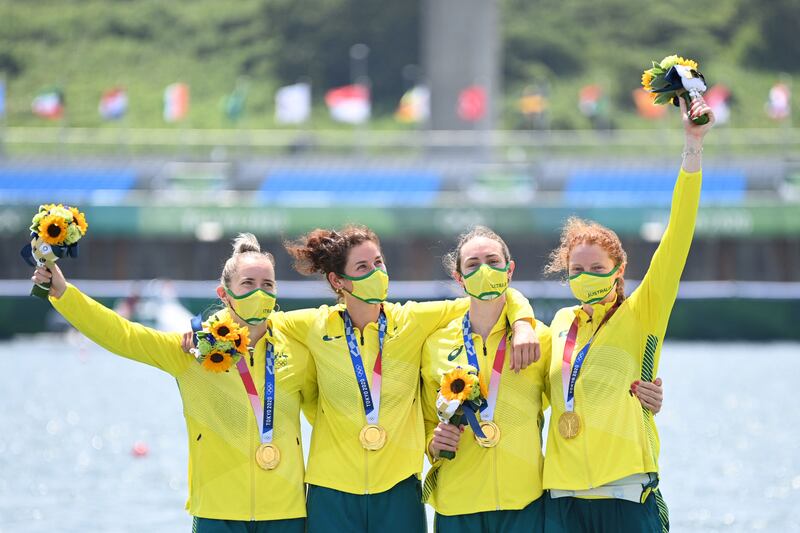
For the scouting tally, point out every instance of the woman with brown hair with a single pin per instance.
(368, 438)
(601, 466)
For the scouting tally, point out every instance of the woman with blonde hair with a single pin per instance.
(245, 475)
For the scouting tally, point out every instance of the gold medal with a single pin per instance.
(372, 437)
(569, 424)
(492, 432)
(268, 456)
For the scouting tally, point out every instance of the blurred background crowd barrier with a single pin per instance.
(175, 126)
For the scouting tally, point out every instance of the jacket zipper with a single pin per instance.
(586, 450)
(493, 451)
(496, 482)
(586, 457)
(366, 472)
(366, 452)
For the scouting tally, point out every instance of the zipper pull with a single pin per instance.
(362, 338)
(252, 362)
(484, 350)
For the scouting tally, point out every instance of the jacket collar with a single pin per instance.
(334, 322)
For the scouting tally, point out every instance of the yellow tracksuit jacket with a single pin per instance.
(509, 475)
(224, 480)
(618, 436)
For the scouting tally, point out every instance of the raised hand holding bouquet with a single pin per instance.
(219, 343)
(55, 232)
(461, 396)
(675, 77)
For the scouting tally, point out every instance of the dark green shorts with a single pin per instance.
(210, 525)
(398, 509)
(529, 519)
(577, 515)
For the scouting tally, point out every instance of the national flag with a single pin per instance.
(533, 104)
(234, 102)
(176, 102)
(645, 106)
(113, 104)
(349, 103)
(717, 98)
(293, 103)
(415, 105)
(49, 104)
(472, 103)
(2, 98)
(779, 103)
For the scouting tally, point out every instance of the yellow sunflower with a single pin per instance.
(647, 79)
(217, 361)
(671, 61)
(224, 329)
(242, 341)
(53, 229)
(457, 385)
(80, 220)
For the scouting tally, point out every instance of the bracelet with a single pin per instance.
(688, 151)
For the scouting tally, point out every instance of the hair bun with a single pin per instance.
(325, 250)
(245, 242)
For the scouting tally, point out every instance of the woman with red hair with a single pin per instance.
(601, 465)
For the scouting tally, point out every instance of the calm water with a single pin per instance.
(72, 414)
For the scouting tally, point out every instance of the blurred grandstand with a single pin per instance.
(166, 205)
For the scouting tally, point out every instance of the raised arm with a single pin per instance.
(111, 331)
(654, 298)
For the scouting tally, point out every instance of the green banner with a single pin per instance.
(210, 222)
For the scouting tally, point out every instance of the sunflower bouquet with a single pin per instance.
(55, 232)
(220, 343)
(672, 78)
(462, 394)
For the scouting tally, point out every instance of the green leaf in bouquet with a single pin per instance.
(224, 346)
(204, 346)
(663, 98)
(659, 85)
(73, 234)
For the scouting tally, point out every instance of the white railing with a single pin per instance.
(385, 139)
(410, 290)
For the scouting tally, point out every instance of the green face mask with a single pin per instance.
(590, 288)
(487, 282)
(372, 287)
(253, 307)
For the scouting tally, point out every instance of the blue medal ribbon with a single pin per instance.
(569, 393)
(469, 345)
(371, 408)
(472, 419)
(269, 394)
(576, 369)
